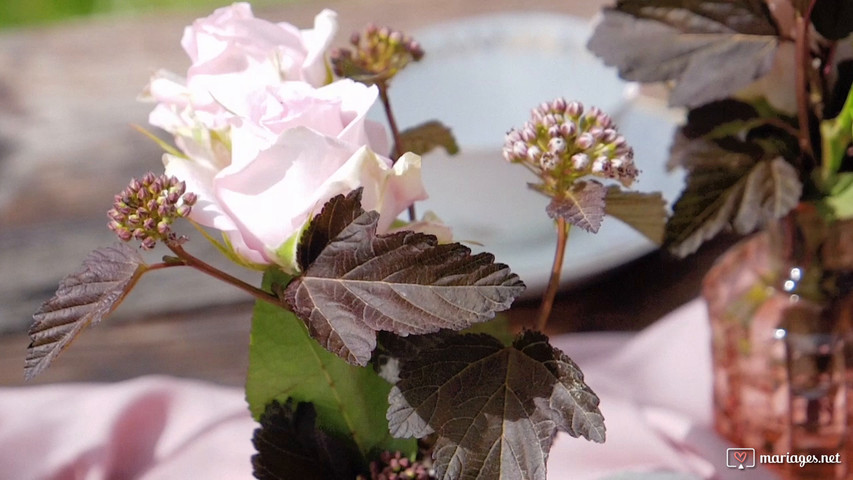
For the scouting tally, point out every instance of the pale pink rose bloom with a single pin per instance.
(265, 148)
(429, 224)
(263, 204)
(296, 148)
(337, 110)
(233, 54)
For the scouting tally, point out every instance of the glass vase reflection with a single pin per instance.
(782, 346)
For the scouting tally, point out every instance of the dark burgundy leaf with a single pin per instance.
(705, 119)
(708, 48)
(840, 89)
(726, 188)
(83, 298)
(332, 219)
(837, 251)
(393, 349)
(495, 409)
(833, 18)
(290, 446)
(405, 283)
(771, 190)
(750, 17)
(425, 137)
(644, 212)
(582, 206)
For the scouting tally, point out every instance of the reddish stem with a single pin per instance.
(803, 62)
(395, 132)
(204, 267)
(554, 282)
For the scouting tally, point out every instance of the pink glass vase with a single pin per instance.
(782, 349)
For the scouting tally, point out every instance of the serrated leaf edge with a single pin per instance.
(41, 338)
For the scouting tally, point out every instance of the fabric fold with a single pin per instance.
(655, 390)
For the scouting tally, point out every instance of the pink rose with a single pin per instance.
(336, 110)
(263, 206)
(297, 147)
(233, 54)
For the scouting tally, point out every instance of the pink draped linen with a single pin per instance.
(654, 387)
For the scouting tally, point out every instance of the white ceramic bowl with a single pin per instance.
(481, 76)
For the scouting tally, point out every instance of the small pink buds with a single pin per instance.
(394, 466)
(377, 55)
(146, 209)
(562, 143)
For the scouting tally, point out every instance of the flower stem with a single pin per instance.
(204, 267)
(395, 132)
(782, 125)
(802, 61)
(554, 282)
(392, 122)
(160, 266)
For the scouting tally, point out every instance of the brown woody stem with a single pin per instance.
(554, 282)
(395, 132)
(802, 61)
(160, 266)
(204, 267)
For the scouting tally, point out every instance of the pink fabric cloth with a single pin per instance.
(149, 428)
(654, 388)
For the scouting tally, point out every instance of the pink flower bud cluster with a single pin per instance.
(561, 142)
(146, 209)
(377, 56)
(396, 467)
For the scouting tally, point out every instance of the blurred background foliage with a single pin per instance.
(19, 13)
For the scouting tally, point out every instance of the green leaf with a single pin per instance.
(709, 49)
(83, 298)
(286, 363)
(227, 250)
(425, 137)
(836, 135)
(841, 196)
(644, 212)
(404, 283)
(495, 409)
(290, 445)
(582, 206)
(347, 68)
(498, 327)
(165, 146)
(725, 187)
(842, 185)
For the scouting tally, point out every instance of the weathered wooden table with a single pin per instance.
(67, 103)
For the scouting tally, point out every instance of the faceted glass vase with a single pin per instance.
(782, 349)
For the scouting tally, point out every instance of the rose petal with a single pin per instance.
(267, 142)
(317, 42)
(302, 171)
(285, 181)
(430, 224)
(335, 110)
(404, 187)
(199, 177)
